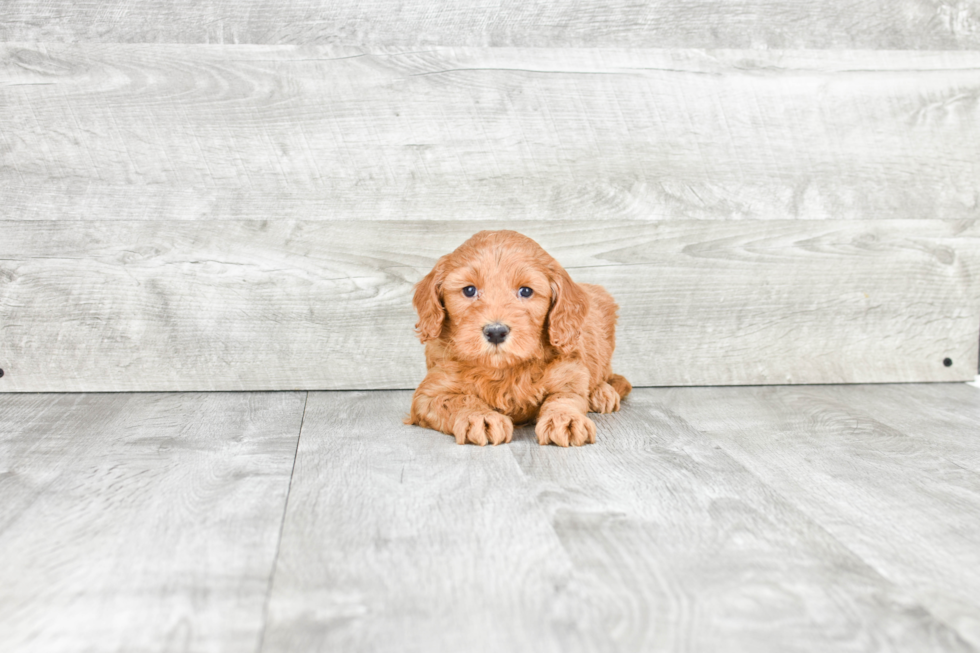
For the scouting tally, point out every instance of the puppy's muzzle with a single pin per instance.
(496, 333)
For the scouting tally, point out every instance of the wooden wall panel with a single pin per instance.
(177, 132)
(236, 305)
(886, 24)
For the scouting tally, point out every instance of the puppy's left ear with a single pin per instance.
(569, 306)
(428, 302)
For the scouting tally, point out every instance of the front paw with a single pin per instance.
(481, 428)
(565, 428)
(604, 399)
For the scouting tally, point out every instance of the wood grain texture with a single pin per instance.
(141, 522)
(820, 453)
(941, 418)
(110, 131)
(284, 305)
(398, 539)
(896, 24)
(704, 519)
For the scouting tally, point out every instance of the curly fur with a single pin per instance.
(554, 366)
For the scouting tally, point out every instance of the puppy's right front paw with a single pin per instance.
(481, 428)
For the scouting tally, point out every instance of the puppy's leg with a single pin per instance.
(562, 417)
(465, 417)
(620, 385)
(604, 399)
(562, 421)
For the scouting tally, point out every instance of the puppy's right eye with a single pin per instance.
(469, 291)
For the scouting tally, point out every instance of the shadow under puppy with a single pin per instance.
(509, 337)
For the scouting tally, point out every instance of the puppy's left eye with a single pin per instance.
(525, 292)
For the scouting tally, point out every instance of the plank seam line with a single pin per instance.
(909, 589)
(505, 69)
(282, 524)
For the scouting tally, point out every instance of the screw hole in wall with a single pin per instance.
(1, 373)
(947, 362)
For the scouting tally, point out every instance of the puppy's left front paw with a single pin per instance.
(604, 399)
(565, 428)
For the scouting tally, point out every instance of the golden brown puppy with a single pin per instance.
(509, 337)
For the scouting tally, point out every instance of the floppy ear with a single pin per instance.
(569, 306)
(428, 302)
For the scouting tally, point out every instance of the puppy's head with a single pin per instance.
(500, 299)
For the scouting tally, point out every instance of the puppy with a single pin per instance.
(510, 338)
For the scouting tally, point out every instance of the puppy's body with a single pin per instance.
(527, 344)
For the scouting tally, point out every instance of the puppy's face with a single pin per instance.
(499, 299)
(496, 303)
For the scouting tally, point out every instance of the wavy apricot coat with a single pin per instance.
(554, 366)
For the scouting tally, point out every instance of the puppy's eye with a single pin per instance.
(525, 292)
(469, 291)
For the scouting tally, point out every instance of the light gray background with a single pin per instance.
(200, 196)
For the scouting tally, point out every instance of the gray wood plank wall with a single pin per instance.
(218, 132)
(867, 24)
(214, 305)
(179, 215)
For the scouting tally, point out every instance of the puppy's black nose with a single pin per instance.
(496, 333)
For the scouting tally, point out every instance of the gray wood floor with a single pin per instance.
(805, 518)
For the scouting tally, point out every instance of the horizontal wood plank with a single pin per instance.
(141, 522)
(871, 24)
(397, 539)
(279, 305)
(111, 131)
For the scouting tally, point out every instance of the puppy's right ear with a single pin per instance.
(428, 302)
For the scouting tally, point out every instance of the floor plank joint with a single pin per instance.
(768, 518)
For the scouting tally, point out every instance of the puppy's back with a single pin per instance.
(602, 307)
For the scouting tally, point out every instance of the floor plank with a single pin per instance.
(704, 519)
(688, 550)
(896, 500)
(942, 418)
(397, 539)
(655, 538)
(140, 522)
